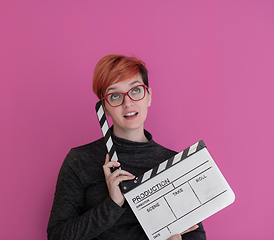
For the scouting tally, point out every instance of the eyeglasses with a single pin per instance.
(116, 99)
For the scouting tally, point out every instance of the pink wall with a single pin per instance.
(211, 69)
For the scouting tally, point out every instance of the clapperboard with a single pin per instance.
(178, 193)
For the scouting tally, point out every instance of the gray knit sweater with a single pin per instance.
(82, 208)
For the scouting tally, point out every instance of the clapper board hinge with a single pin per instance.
(131, 184)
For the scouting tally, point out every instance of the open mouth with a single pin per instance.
(131, 114)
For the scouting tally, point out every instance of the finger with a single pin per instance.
(117, 180)
(190, 229)
(194, 227)
(107, 159)
(110, 167)
(105, 168)
(109, 164)
(120, 172)
(118, 176)
(175, 237)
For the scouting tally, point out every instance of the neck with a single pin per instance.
(135, 135)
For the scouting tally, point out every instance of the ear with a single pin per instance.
(149, 96)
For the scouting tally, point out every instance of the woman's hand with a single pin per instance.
(175, 237)
(113, 180)
(178, 236)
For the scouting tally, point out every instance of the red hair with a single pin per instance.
(115, 68)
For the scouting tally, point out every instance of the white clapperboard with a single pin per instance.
(178, 193)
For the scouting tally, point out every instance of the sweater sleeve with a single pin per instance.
(68, 220)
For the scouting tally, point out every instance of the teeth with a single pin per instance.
(130, 114)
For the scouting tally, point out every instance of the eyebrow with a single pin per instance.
(131, 84)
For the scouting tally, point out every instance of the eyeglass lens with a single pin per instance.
(135, 94)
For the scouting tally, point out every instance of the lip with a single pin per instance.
(130, 114)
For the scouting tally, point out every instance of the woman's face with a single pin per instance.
(131, 115)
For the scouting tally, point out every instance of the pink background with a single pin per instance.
(211, 68)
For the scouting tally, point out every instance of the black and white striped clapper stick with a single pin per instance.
(129, 185)
(106, 131)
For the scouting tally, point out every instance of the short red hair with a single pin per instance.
(116, 68)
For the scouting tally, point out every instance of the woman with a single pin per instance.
(88, 203)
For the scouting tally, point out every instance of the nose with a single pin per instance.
(127, 101)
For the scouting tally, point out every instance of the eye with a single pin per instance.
(114, 96)
(136, 90)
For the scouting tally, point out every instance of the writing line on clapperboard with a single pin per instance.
(166, 226)
(173, 185)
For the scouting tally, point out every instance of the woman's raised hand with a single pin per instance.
(113, 180)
